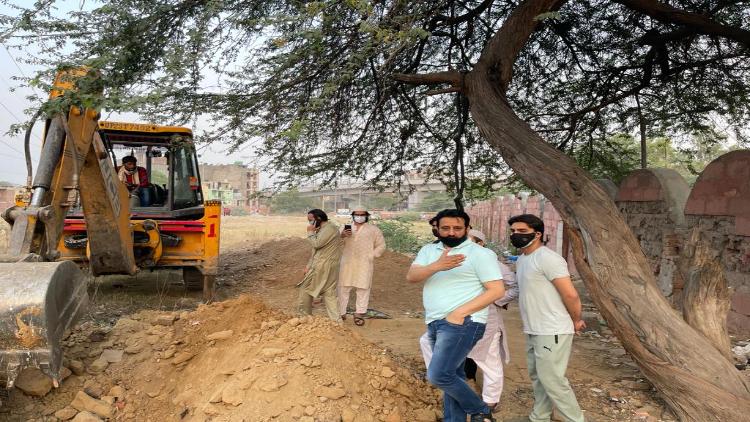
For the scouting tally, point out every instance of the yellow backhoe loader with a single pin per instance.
(78, 212)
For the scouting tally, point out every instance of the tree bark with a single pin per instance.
(697, 381)
(706, 296)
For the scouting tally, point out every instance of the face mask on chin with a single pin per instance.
(522, 240)
(452, 242)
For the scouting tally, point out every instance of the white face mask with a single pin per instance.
(360, 219)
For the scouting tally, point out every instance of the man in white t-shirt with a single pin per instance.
(551, 314)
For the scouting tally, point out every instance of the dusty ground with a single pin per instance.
(248, 358)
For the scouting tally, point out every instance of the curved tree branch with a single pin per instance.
(500, 54)
(452, 77)
(467, 16)
(701, 23)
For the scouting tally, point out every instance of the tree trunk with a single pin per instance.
(706, 297)
(697, 382)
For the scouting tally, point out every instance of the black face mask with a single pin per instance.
(452, 242)
(522, 240)
(435, 232)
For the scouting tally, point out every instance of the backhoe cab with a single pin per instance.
(173, 227)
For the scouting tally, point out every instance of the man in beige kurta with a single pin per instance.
(362, 244)
(322, 270)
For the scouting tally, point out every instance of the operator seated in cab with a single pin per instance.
(136, 180)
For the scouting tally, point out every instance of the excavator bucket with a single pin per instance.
(39, 302)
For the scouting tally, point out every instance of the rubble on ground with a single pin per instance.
(229, 360)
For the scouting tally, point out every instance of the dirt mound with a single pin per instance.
(237, 360)
(273, 269)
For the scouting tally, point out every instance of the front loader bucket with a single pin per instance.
(39, 301)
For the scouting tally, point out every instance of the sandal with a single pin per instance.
(482, 417)
(359, 319)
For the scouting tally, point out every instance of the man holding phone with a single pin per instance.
(322, 270)
(363, 242)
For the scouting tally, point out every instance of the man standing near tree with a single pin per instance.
(363, 242)
(551, 314)
(322, 271)
(460, 279)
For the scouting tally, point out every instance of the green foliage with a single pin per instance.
(620, 155)
(408, 217)
(437, 201)
(159, 177)
(311, 82)
(399, 236)
(381, 201)
(688, 157)
(290, 202)
(614, 158)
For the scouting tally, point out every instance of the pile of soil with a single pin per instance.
(233, 360)
(272, 270)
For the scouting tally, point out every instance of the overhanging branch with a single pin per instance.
(467, 16)
(498, 57)
(699, 22)
(452, 77)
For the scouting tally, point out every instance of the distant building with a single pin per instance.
(222, 191)
(350, 192)
(7, 195)
(241, 179)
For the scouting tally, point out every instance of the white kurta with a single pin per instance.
(357, 258)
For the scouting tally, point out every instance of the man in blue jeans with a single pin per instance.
(460, 279)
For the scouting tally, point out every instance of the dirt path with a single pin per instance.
(273, 366)
(608, 384)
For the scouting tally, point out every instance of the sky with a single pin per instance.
(14, 105)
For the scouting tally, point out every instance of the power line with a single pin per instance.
(14, 60)
(10, 112)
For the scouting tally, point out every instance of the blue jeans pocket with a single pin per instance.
(467, 319)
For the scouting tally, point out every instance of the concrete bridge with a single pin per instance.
(348, 193)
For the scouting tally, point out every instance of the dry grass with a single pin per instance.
(236, 230)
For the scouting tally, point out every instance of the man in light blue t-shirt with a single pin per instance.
(460, 279)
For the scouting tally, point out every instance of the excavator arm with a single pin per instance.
(41, 298)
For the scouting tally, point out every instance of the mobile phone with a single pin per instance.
(347, 226)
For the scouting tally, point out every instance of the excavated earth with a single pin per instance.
(149, 351)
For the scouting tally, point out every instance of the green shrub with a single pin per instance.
(409, 217)
(399, 237)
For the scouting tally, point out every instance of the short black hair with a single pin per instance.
(453, 213)
(129, 159)
(433, 220)
(531, 220)
(318, 214)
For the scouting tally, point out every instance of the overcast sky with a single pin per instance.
(13, 104)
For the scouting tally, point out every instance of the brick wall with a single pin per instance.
(661, 209)
(652, 203)
(720, 205)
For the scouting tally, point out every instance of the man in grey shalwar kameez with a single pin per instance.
(322, 271)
